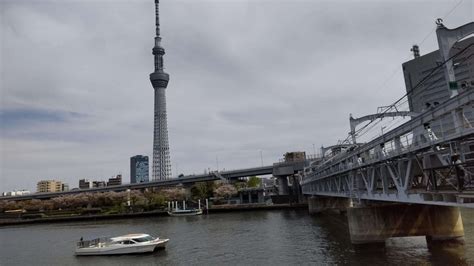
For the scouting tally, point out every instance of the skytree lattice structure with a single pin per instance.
(159, 79)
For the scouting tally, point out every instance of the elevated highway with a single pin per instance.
(189, 179)
(276, 169)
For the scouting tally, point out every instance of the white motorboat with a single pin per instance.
(185, 212)
(126, 244)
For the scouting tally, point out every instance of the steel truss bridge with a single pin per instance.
(427, 160)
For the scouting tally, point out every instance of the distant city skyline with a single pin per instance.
(251, 79)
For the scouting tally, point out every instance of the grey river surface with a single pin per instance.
(286, 237)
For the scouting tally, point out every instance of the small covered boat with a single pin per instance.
(126, 244)
(190, 212)
(174, 210)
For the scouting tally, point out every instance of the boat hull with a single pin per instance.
(121, 249)
(191, 213)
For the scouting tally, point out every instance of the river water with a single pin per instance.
(286, 237)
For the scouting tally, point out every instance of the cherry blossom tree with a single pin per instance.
(175, 194)
(225, 191)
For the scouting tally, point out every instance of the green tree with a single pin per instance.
(202, 190)
(154, 199)
(253, 181)
(240, 184)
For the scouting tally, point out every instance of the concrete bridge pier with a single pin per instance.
(318, 204)
(374, 224)
(283, 185)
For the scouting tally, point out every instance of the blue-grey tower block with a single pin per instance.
(159, 79)
(139, 169)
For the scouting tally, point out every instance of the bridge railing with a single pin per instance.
(411, 136)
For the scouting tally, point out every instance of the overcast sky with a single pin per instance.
(245, 77)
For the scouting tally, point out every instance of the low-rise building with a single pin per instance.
(85, 184)
(99, 184)
(49, 186)
(16, 193)
(115, 181)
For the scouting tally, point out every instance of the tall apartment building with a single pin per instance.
(139, 169)
(49, 186)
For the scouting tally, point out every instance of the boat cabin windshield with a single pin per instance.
(143, 239)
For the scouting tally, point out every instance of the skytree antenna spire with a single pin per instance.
(157, 17)
(159, 79)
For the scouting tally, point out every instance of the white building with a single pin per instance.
(16, 193)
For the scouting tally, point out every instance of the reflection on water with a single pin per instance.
(255, 238)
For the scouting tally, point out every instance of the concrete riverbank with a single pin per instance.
(213, 209)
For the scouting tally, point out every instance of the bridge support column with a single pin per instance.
(283, 185)
(447, 227)
(317, 204)
(440, 224)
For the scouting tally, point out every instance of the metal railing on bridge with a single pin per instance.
(407, 164)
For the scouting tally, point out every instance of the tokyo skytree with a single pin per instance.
(159, 79)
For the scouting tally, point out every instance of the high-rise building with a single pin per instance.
(139, 169)
(159, 79)
(49, 186)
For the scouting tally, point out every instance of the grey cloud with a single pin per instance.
(244, 76)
